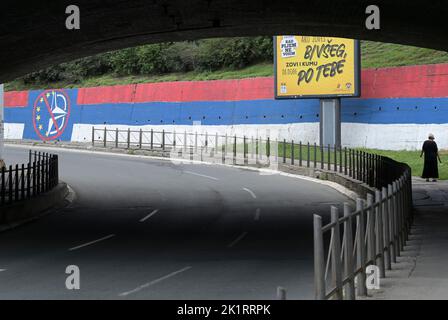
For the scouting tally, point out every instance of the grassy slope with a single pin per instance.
(412, 158)
(374, 55)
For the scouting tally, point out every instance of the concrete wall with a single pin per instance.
(397, 109)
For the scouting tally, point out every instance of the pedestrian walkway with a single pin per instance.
(422, 270)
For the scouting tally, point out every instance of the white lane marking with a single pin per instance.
(91, 242)
(257, 214)
(238, 239)
(149, 215)
(201, 175)
(1, 270)
(250, 192)
(146, 285)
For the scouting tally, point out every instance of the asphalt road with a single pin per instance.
(152, 229)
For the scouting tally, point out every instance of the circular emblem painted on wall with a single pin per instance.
(50, 114)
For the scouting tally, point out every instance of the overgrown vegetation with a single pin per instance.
(209, 59)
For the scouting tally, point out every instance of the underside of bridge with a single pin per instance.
(33, 34)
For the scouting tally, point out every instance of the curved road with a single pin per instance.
(152, 229)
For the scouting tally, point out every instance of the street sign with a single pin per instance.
(316, 67)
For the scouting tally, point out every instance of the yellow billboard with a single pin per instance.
(316, 67)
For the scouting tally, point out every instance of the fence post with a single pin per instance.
(300, 153)
(387, 224)
(234, 149)
(268, 148)
(140, 138)
(244, 150)
(185, 141)
(216, 143)
(28, 180)
(348, 253)
(322, 157)
(93, 138)
(336, 253)
(196, 142)
(371, 222)
(335, 153)
(319, 259)
(163, 140)
(394, 235)
(22, 183)
(34, 178)
(10, 184)
(345, 160)
(129, 138)
(292, 152)
(284, 150)
(308, 155)
(361, 248)
(3, 186)
(329, 157)
(105, 137)
(379, 235)
(16, 183)
(152, 139)
(116, 137)
(252, 151)
(394, 208)
(315, 155)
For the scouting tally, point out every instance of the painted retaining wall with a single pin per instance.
(397, 109)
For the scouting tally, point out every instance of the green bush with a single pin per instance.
(201, 55)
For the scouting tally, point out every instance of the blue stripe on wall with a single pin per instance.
(374, 111)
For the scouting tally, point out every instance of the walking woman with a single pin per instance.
(430, 169)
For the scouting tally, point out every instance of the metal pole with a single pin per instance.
(319, 259)
(348, 252)
(361, 248)
(336, 253)
(379, 235)
(386, 223)
(292, 152)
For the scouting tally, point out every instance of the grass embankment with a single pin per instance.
(411, 158)
(255, 71)
(374, 55)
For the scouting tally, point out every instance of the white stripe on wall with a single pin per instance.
(14, 130)
(375, 136)
(296, 131)
(393, 136)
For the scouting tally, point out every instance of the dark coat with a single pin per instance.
(430, 169)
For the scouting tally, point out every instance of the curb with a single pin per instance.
(22, 212)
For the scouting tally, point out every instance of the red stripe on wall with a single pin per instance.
(425, 81)
(16, 99)
(183, 91)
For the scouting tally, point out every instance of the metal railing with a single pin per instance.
(372, 234)
(24, 181)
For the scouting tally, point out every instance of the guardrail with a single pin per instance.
(24, 181)
(372, 234)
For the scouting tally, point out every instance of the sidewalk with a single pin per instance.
(422, 270)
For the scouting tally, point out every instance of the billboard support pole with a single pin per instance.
(2, 127)
(330, 122)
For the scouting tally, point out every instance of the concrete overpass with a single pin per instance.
(33, 35)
